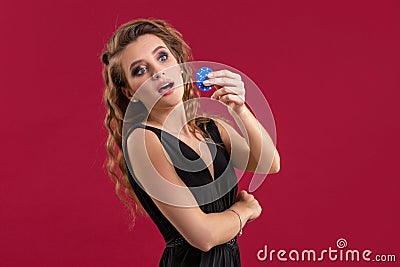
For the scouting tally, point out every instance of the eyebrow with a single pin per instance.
(137, 61)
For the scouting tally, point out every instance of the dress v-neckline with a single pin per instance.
(192, 150)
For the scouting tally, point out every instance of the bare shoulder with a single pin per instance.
(144, 144)
(155, 171)
(141, 136)
(148, 158)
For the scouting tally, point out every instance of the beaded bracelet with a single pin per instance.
(240, 219)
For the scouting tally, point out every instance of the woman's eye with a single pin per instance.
(163, 57)
(139, 71)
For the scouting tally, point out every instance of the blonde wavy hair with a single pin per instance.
(116, 102)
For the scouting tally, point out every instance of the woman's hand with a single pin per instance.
(230, 89)
(251, 204)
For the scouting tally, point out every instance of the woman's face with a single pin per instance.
(153, 74)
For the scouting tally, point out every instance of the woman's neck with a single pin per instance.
(170, 120)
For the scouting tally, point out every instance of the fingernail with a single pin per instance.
(206, 81)
(210, 75)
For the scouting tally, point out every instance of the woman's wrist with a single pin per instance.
(244, 212)
(239, 112)
(240, 221)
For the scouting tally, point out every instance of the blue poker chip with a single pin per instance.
(201, 76)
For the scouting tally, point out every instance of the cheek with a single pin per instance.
(137, 82)
(181, 91)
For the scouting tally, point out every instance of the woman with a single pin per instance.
(139, 56)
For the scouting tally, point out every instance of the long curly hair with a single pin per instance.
(116, 102)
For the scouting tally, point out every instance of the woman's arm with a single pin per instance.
(153, 169)
(255, 153)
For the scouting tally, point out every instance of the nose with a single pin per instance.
(158, 73)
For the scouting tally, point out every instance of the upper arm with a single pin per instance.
(152, 167)
(239, 150)
(236, 146)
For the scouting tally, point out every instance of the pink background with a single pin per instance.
(330, 71)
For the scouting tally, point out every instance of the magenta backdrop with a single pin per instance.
(330, 71)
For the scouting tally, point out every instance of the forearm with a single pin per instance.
(261, 146)
(223, 226)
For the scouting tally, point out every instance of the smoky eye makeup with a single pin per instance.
(137, 71)
(162, 56)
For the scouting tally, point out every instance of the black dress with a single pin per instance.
(178, 252)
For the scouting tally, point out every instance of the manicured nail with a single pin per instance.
(210, 75)
(206, 82)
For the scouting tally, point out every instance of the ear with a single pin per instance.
(127, 92)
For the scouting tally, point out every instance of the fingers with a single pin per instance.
(224, 81)
(228, 91)
(224, 73)
(232, 99)
(230, 88)
(229, 99)
(251, 203)
(245, 196)
(241, 195)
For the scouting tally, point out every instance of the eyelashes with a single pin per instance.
(140, 70)
(137, 71)
(163, 56)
